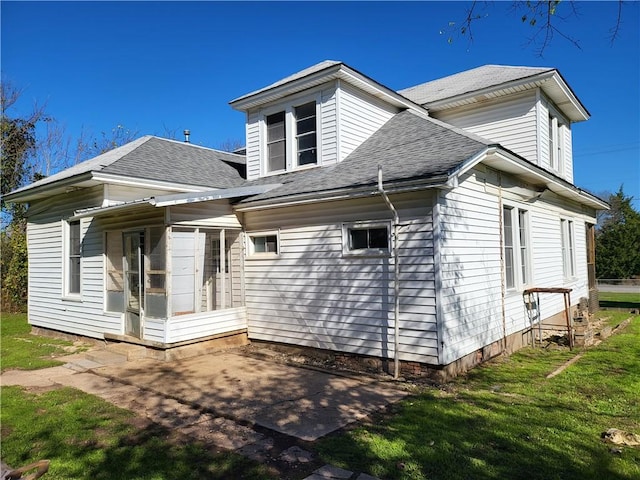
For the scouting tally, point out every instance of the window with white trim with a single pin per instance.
(264, 244)
(568, 248)
(516, 251)
(367, 239)
(73, 260)
(290, 137)
(556, 143)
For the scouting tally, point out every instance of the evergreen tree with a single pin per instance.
(618, 239)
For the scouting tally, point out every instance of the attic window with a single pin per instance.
(306, 138)
(276, 142)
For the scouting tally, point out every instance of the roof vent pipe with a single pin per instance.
(396, 277)
(186, 136)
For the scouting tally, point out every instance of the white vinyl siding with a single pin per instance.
(312, 295)
(469, 256)
(559, 159)
(511, 121)
(360, 116)
(87, 315)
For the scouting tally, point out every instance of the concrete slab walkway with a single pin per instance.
(226, 399)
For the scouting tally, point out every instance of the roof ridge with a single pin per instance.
(194, 145)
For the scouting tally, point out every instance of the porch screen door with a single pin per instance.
(134, 277)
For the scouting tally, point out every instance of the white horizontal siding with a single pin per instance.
(189, 327)
(312, 295)
(328, 126)
(253, 145)
(510, 121)
(360, 115)
(213, 214)
(471, 270)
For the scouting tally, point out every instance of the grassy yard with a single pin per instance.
(619, 300)
(506, 420)
(22, 350)
(86, 437)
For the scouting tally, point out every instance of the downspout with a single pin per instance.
(502, 265)
(396, 277)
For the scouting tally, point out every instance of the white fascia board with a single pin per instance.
(333, 72)
(550, 181)
(99, 211)
(147, 183)
(211, 195)
(344, 194)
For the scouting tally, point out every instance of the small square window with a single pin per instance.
(366, 239)
(264, 244)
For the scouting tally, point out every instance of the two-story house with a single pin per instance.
(400, 226)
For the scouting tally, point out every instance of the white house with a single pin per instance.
(164, 243)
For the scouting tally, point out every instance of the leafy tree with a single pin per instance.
(618, 239)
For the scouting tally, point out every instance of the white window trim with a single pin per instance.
(365, 252)
(568, 244)
(557, 155)
(290, 134)
(518, 281)
(252, 254)
(66, 250)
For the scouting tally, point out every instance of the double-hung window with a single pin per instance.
(568, 248)
(306, 138)
(73, 252)
(276, 142)
(515, 234)
(291, 138)
(556, 143)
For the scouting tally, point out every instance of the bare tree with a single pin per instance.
(231, 145)
(544, 17)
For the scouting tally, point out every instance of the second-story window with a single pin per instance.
(276, 142)
(306, 138)
(556, 140)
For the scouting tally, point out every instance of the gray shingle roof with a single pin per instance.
(469, 81)
(301, 74)
(154, 158)
(179, 162)
(407, 147)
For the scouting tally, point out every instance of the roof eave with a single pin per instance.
(559, 91)
(338, 71)
(392, 187)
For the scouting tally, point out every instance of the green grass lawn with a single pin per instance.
(24, 351)
(619, 300)
(506, 420)
(87, 438)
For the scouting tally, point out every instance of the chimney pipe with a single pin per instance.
(186, 136)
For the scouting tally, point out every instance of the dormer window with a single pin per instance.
(276, 142)
(306, 137)
(290, 137)
(556, 143)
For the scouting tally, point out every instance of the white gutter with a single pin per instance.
(396, 277)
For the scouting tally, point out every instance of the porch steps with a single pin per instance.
(131, 352)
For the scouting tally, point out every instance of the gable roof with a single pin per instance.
(409, 147)
(147, 158)
(492, 81)
(319, 74)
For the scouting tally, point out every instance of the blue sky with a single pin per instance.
(159, 67)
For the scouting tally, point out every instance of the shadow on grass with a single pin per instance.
(85, 437)
(619, 305)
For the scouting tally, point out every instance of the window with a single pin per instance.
(556, 141)
(291, 137)
(366, 239)
(306, 133)
(264, 244)
(568, 248)
(516, 247)
(73, 258)
(276, 142)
